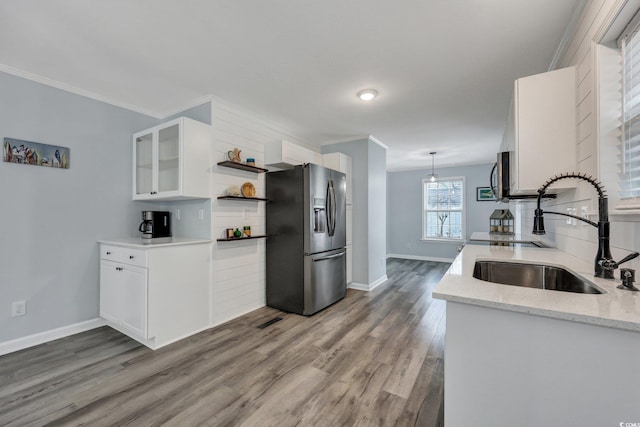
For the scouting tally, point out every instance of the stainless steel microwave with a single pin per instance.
(500, 180)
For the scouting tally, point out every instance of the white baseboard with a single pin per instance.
(420, 258)
(370, 287)
(46, 336)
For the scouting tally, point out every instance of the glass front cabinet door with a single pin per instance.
(172, 161)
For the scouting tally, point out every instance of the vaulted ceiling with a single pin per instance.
(444, 69)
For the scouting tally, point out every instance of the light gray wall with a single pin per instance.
(52, 218)
(404, 210)
(377, 209)
(368, 170)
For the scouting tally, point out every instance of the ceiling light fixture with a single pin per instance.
(433, 175)
(367, 94)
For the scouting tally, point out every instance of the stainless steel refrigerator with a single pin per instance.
(306, 225)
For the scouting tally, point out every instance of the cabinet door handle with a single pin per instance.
(130, 256)
(154, 192)
(108, 253)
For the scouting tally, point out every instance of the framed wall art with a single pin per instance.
(35, 153)
(484, 194)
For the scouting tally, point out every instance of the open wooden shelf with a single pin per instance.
(242, 166)
(258, 199)
(241, 238)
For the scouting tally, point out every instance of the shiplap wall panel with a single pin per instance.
(239, 268)
(578, 239)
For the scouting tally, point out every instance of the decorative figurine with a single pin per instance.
(234, 155)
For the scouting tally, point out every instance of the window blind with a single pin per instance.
(630, 143)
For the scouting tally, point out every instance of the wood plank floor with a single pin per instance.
(373, 359)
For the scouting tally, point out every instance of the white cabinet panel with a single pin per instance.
(134, 299)
(284, 155)
(172, 161)
(349, 224)
(541, 130)
(109, 290)
(349, 264)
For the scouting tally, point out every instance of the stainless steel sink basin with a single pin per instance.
(532, 276)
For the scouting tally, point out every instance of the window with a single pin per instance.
(630, 144)
(443, 209)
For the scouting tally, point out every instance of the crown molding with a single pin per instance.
(356, 138)
(377, 141)
(342, 140)
(76, 90)
(195, 103)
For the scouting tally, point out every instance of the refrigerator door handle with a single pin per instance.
(331, 208)
(334, 207)
(338, 255)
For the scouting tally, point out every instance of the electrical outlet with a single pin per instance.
(245, 215)
(201, 214)
(177, 214)
(571, 211)
(18, 308)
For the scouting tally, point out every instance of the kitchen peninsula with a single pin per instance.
(523, 356)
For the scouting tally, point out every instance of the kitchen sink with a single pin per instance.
(538, 276)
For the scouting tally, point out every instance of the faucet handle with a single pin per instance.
(628, 276)
(609, 264)
(628, 258)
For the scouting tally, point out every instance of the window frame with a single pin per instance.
(627, 177)
(463, 232)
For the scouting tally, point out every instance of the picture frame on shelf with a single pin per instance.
(484, 194)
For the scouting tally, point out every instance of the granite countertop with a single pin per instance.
(139, 243)
(615, 308)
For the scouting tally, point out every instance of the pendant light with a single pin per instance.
(433, 176)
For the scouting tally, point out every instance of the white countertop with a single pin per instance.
(139, 242)
(483, 236)
(615, 308)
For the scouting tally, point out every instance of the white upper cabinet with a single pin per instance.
(285, 155)
(541, 130)
(172, 161)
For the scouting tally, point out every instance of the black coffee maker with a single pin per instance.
(155, 224)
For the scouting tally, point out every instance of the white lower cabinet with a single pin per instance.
(134, 299)
(123, 296)
(156, 295)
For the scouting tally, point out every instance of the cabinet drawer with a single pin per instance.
(111, 253)
(134, 257)
(137, 257)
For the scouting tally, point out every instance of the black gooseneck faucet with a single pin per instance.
(604, 264)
